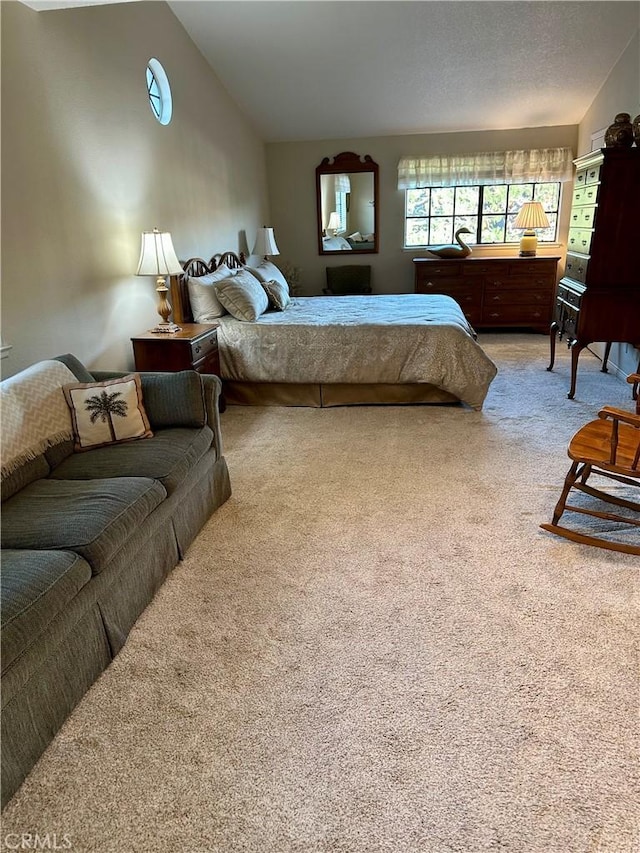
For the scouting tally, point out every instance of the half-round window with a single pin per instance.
(159, 92)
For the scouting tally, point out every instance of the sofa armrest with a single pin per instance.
(212, 391)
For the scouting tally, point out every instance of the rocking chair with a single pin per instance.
(608, 447)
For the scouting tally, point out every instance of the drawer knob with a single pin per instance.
(197, 349)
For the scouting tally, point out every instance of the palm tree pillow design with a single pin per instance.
(107, 412)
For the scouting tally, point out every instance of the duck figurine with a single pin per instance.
(451, 250)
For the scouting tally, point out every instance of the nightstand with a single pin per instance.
(194, 347)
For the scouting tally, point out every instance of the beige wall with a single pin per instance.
(619, 94)
(86, 168)
(291, 173)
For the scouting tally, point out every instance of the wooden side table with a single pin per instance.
(194, 347)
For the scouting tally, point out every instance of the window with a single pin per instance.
(434, 214)
(159, 92)
(342, 208)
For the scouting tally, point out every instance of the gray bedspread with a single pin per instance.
(402, 338)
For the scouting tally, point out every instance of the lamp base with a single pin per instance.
(528, 244)
(166, 329)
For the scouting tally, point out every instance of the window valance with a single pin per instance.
(487, 167)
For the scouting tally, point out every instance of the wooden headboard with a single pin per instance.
(197, 267)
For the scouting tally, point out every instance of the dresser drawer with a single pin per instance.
(580, 179)
(545, 283)
(517, 297)
(516, 315)
(440, 285)
(579, 240)
(576, 267)
(429, 270)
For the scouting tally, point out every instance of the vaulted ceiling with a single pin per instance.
(313, 70)
(320, 69)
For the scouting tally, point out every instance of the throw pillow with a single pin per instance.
(107, 412)
(243, 296)
(266, 271)
(205, 305)
(277, 293)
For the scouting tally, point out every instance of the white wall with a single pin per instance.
(291, 173)
(86, 168)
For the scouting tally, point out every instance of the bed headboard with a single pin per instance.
(197, 267)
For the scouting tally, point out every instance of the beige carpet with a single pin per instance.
(372, 647)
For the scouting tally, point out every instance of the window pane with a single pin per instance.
(518, 194)
(417, 232)
(549, 234)
(493, 229)
(467, 200)
(441, 230)
(470, 222)
(418, 202)
(513, 234)
(442, 201)
(548, 195)
(495, 199)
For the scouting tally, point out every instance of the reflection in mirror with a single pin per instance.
(346, 192)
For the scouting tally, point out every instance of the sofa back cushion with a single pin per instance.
(174, 399)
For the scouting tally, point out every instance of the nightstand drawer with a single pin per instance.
(202, 347)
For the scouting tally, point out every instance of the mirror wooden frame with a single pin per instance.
(347, 162)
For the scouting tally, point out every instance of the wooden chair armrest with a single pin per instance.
(619, 415)
(632, 378)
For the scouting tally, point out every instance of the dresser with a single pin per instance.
(507, 292)
(598, 297)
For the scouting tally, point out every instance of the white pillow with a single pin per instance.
(266, 271)
(243, 296)
(205, 304)
(356, 237)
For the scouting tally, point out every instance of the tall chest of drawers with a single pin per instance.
(506, 292)
(598, 297)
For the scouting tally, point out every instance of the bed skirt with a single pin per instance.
(324, 395)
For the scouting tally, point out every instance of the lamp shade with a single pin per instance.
(157, 255)
(334, 222)
(265, 243)
(531, 215)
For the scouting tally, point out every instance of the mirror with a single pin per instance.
(347, 201)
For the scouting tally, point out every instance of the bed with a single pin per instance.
(339, 350)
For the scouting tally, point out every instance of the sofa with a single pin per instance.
(90, 534)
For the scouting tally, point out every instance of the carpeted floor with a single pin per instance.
(372, 647)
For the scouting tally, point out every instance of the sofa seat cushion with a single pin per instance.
(94, 518)
(35, 587)
(169, 457)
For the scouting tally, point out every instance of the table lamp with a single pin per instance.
(530, 217)
(158, 257)
(333, 224)
(265, 244)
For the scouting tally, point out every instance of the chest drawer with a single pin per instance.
(514, 283)
(583, 217)
(579, 240)
(576, 267)
(569, 296)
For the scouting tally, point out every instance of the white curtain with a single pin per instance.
(343, 184)
(487, 167)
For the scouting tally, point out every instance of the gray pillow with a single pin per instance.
(277, 293)
(243, 296)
